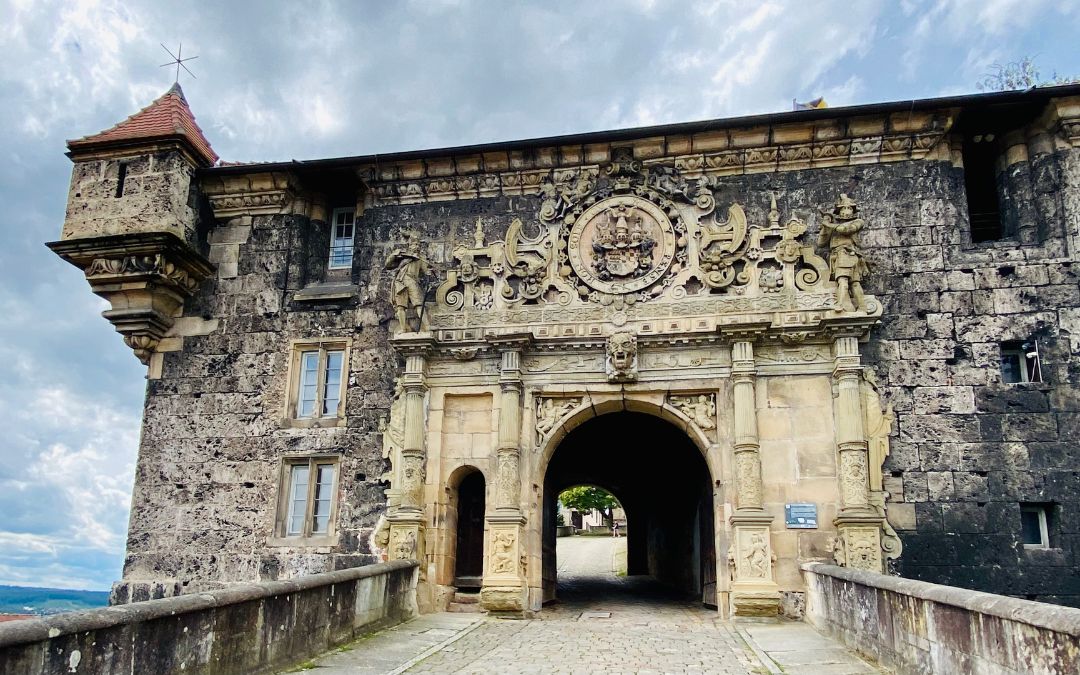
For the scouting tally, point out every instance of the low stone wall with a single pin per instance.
(247, 628)
(916, 627)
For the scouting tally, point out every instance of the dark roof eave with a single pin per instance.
(967, 100)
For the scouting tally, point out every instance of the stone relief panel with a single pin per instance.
(503, 552)
(550, 411)
(751, 557)
(859, 548)
(700, 408)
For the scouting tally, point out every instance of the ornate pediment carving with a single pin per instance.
(630, 243)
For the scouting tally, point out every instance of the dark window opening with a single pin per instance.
(1037, 525)
(980, 182)
(1020, 362)
(121, 176)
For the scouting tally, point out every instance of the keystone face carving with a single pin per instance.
(622, 357)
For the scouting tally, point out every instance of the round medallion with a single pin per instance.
(621, 245)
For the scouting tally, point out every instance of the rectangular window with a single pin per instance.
(319, 381)
(1020, 362)
(980, 182)
(342, 230)
(309, 486)
(121, 177)
(1034, 525)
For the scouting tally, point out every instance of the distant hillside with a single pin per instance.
(29, 600)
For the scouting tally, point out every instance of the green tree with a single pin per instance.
(587, 498)
(1022, 74)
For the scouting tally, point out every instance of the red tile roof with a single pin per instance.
(167, 117)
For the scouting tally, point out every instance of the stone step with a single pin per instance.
(466, 598)
(465, 608)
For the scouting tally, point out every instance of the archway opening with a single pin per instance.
(662, 482)
(469, 532)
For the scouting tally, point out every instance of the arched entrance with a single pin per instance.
(468, 509)
(663, 483)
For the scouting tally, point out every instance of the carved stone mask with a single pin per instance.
(622, 352)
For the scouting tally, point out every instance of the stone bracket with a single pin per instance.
(145, 277)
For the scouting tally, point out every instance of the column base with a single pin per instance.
(858, 540)
(748, 602)
(504, 591)
(753, 591)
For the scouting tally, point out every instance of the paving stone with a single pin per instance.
(647, 631)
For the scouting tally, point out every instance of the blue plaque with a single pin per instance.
(801, 516)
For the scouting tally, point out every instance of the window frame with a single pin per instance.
(292, 399)
(281, 535)
(1044, 529)
(330, 266)
(1030, 368)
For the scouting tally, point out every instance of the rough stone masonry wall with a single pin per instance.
(209, 466)
(968, 449)
(916, 627)
(252, 628)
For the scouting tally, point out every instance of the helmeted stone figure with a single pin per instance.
(838, 231)
(408, 293)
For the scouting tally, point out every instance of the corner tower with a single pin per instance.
(132, 217)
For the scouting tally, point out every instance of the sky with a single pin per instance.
(280, 80)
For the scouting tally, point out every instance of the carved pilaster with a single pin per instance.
(753, 591)
(507, 476)
(859, 525)
(505, 590)
(747, 456)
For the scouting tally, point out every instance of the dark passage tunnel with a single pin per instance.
(663, 483)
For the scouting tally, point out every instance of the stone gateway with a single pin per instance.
(409, 356)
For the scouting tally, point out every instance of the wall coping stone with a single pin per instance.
(53, 626)
(1052, 617)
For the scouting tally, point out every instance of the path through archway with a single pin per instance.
(663, 483)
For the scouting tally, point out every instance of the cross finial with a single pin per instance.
(178, 62)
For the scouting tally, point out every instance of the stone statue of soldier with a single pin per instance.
(839, 230)
(407, 292)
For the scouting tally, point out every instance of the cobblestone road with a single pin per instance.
(602, 624)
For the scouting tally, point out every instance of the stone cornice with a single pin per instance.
(760, 149)
(261, 193)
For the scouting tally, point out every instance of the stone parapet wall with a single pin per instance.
(248, 628)
(916, 627)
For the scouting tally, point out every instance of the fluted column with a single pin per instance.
(747, 450)
(413, 454)
(858, 524)
(508, 474)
